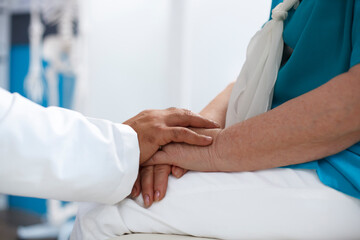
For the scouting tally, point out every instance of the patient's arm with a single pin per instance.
(317, 124)
(216, 109)
(152, 180)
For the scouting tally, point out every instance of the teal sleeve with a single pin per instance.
(341, 171)
(355, 54)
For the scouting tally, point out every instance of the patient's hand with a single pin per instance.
(152, 182)
(173, 158)
(197, 158)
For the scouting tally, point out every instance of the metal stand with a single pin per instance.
(4, 43)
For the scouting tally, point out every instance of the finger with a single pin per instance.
(147, 185)
(185, 135)
(136, 188)
(161, 175)
(161, 157)
(187, 118)
(177, 172)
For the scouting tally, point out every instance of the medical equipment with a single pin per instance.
(4, 43)
(3, 202)
(33, 84)
(59, 51)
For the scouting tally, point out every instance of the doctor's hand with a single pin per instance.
(156, 128)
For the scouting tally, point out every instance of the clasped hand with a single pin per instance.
(175, 158)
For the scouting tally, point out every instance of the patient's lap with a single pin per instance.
(263, 204)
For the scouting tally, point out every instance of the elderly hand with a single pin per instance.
(204, 158)
(152, 182)
(156, 128)
(173, 158)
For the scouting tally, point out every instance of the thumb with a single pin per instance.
(160, 157)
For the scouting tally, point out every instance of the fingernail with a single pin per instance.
(177, 172)
(208, 138)
(147, 200)
(157, 196)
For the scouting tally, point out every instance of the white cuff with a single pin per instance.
(130, 161)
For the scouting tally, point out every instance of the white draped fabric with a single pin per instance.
(252, 92)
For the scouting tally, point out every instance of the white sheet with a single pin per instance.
(275, 203)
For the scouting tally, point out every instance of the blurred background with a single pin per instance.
(112, 59)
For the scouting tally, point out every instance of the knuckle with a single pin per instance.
(159, 128)
(144, 112)
(158, 157)
(151, 118)
(162, 169)
(146, 170)
(149, 115)
(187, 112)
(175, 134)
(184, 132)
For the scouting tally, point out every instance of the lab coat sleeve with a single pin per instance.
(60, 154)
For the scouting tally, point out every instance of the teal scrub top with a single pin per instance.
(325, 38)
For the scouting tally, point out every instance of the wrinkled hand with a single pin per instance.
(204, 158)
(156, 128)
(152, 182)
(173, 158)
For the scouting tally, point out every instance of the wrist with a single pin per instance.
(218, 151)
(226, 152)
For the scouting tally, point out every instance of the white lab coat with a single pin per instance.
(60, 154)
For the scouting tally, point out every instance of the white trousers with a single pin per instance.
(271, 204)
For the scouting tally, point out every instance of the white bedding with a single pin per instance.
(269, 204)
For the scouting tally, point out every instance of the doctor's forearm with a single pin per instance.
(60, 154)
(320, 123)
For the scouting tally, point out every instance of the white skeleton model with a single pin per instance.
(59, 50)
(33, 84)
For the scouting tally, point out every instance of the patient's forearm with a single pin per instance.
(320, 123)
(216, 109)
